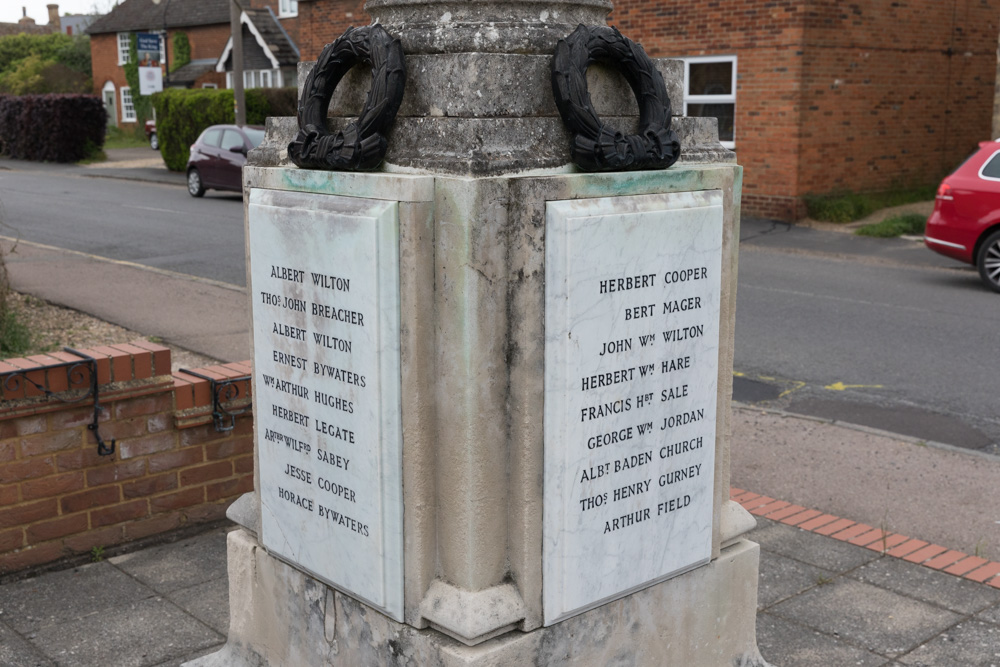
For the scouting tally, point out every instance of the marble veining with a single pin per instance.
(324, 284)
(632, 307)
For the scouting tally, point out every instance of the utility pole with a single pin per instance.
(239, 100)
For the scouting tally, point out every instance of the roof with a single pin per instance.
(137, 15)
(266, 45)
(189, 73)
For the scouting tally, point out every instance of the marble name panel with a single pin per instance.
(324, 281)
(632, 304)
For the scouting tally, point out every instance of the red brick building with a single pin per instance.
(815, 96)
(270, 52)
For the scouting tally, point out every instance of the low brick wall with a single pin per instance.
(171, 466)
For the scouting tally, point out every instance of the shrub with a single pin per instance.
(74, 52)
(51, 128)
(182, 115)
(35, 76)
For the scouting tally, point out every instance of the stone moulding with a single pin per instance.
(597, 147)
(361, 145)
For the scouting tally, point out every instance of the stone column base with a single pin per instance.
(281, 616)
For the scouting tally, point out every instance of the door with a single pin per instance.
(108, 95)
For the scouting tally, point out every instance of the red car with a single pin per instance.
(150, 128)
(217, 157)
(965, 224)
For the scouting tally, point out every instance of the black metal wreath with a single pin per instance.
(361, 145)
(597, 147)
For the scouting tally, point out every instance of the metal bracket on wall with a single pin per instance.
(78, 373)
(223, 390)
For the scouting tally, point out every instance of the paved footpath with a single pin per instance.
(876, 549)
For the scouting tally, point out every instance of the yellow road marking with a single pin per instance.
(840, 386)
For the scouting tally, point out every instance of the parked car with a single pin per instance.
(217, 157)
(965, 224)
(150, 128)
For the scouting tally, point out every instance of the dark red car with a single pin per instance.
(965, 224)
(217, 157)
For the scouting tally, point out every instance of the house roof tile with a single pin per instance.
(133, 15)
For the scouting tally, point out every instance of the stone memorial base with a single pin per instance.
(281, 616)
(492, 422)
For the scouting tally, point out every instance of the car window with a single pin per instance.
(992, 167)
(211, 137)
(255, 136)
(232, 139)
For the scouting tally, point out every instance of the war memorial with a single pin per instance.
(493, 286)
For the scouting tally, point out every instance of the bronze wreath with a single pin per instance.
(597, 147)
(360, 145)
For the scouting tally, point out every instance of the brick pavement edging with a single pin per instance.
(885, 542)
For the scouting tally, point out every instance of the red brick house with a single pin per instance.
(815, 96)
(270, 53)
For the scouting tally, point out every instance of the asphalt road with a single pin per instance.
(148, 223)
(880, 333)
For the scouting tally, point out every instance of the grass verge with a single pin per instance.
(15, 337)
(125, 138)
(897, 225)
(851, 206)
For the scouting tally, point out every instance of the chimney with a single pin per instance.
(25, 19)
(53, 15)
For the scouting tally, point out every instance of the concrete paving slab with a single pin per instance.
(16, 652)
(809, 547)
(969, 644)
(138, 634)
(204, 316)
(945, 590)
(178, 565)
(787, 644)
(874, 618)
(208, 602)
(177, 662)
(780, 578)
(992, 615)
(937, 494)
(31, 605)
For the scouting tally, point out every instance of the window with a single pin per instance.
(710, 91)
(124, 45)
(231, 139)
(257, 78)
(287, 8)
(128, 108)
(211, 137)
(991, 170)
(209, 85)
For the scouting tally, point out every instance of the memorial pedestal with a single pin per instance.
(492, 419)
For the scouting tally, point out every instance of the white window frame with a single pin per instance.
(711, 99)
(258, 78)
(209, 85)
(124, 47)
(128, 105)
(288, 8)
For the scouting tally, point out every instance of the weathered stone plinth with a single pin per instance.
(702, 618)
(472, 351)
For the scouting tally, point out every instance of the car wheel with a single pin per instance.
(195, 187)
(154, 143)
(988, 261)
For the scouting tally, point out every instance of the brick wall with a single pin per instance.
(322, 21)
(171, 467)
(835, 96)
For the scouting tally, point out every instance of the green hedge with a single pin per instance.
(182, 115)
